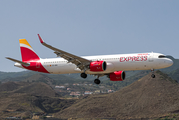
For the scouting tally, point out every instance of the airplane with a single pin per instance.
(113, 66)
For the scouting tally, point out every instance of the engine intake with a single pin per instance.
(117, 76)
(98, 66)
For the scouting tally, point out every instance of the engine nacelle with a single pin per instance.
(98, 66)
(117, 76)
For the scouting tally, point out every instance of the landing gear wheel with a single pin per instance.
(153, 76)
(97, 81)
(83, 75)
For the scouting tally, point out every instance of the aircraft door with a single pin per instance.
(37, 64)
(151, 57)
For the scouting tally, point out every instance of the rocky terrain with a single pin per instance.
(21, 99)
(145, 98)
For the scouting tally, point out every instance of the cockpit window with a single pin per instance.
(161, 56)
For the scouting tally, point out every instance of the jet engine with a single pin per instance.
(98, 66)
(117, 76)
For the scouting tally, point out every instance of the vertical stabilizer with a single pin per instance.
(27, 53)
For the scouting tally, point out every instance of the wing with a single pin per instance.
(80, 62)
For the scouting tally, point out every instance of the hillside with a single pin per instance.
(20, 98)
(38, 89)
(174, 75)
(30, 76)
(34, 88)
(9, 86)
(145, 98)
(4, 75)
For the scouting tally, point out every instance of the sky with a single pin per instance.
(88, 27)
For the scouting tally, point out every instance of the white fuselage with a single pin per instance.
(119, 62)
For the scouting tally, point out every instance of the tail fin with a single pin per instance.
(27, 53)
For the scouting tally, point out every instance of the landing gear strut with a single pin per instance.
(83, 75)
(153, 75)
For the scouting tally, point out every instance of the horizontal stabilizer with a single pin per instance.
(22, 63)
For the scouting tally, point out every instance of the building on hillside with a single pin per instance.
(75, 94)
(101, 87)
(88, 93)
(103, 92)
(60, 87)
(111, 91)
(49, 116)
(66, 84)
(97, 91)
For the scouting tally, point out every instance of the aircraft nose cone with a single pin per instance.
(169, 62)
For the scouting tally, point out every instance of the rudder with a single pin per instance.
(27, 52)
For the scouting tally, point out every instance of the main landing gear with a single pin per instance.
(96, 81)
(84, 75)
(153, 75)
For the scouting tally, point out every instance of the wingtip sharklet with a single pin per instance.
(40, 39)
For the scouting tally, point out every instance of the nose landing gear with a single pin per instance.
(153, 75)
